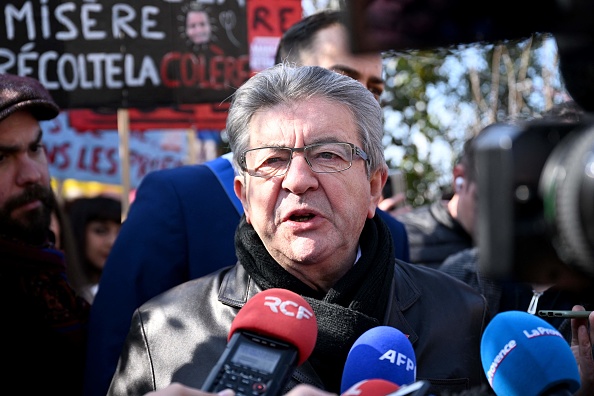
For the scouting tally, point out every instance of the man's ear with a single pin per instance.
(458, 172)
(240, 190)
(376, 184)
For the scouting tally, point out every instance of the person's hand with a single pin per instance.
(582, 337)
(394, 205)
(176, 389)
(308, 390)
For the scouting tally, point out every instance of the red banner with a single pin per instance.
(202, 116)
(267, 21)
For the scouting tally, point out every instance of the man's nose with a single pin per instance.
(299, 177)
(29, 170)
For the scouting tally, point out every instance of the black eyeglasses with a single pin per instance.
(321, 158)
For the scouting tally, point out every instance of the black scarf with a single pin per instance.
(356, 303)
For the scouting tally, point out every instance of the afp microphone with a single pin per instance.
(274, 332)
(382, 352)
(524, 355)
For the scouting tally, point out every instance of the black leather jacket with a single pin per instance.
(433, 234)
(179, 335)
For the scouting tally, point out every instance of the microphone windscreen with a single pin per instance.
(371, 387)
(282, 315)
(524, 355)
(382, 352)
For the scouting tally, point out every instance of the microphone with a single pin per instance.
(371, 387)
(523, 354)
(274, 332)
(380, 387)
(382, 352)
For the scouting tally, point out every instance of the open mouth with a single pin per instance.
(301, 218)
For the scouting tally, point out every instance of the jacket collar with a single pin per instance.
(237, 287)
(405, 294)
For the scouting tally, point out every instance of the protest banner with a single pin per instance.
(121, 61)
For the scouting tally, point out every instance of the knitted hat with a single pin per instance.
(25, 93)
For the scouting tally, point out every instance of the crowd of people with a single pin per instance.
(294, 206)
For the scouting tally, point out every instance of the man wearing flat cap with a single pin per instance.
(44, 321)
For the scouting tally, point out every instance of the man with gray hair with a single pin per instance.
(182, 221)
(307, 145)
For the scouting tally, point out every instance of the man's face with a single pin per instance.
(331, 51)
(25, 193)
(309, 222)
(467, 207)
(198, 27)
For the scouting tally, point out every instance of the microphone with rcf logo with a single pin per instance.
(274, 332)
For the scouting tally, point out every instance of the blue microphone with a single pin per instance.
(382, 352)
(524, 355)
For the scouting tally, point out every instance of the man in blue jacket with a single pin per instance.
(182, 222)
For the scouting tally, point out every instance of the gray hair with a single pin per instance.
(287, 84)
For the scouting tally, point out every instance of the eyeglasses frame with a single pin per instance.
(355, 150)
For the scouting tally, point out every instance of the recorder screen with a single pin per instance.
(257, 357)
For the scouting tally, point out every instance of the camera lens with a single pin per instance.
(567, 190)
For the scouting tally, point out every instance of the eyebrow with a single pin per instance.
(349, 71)
(317, 140)
(16, 148)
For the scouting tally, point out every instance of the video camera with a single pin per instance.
(536, 202)
(536, 183)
